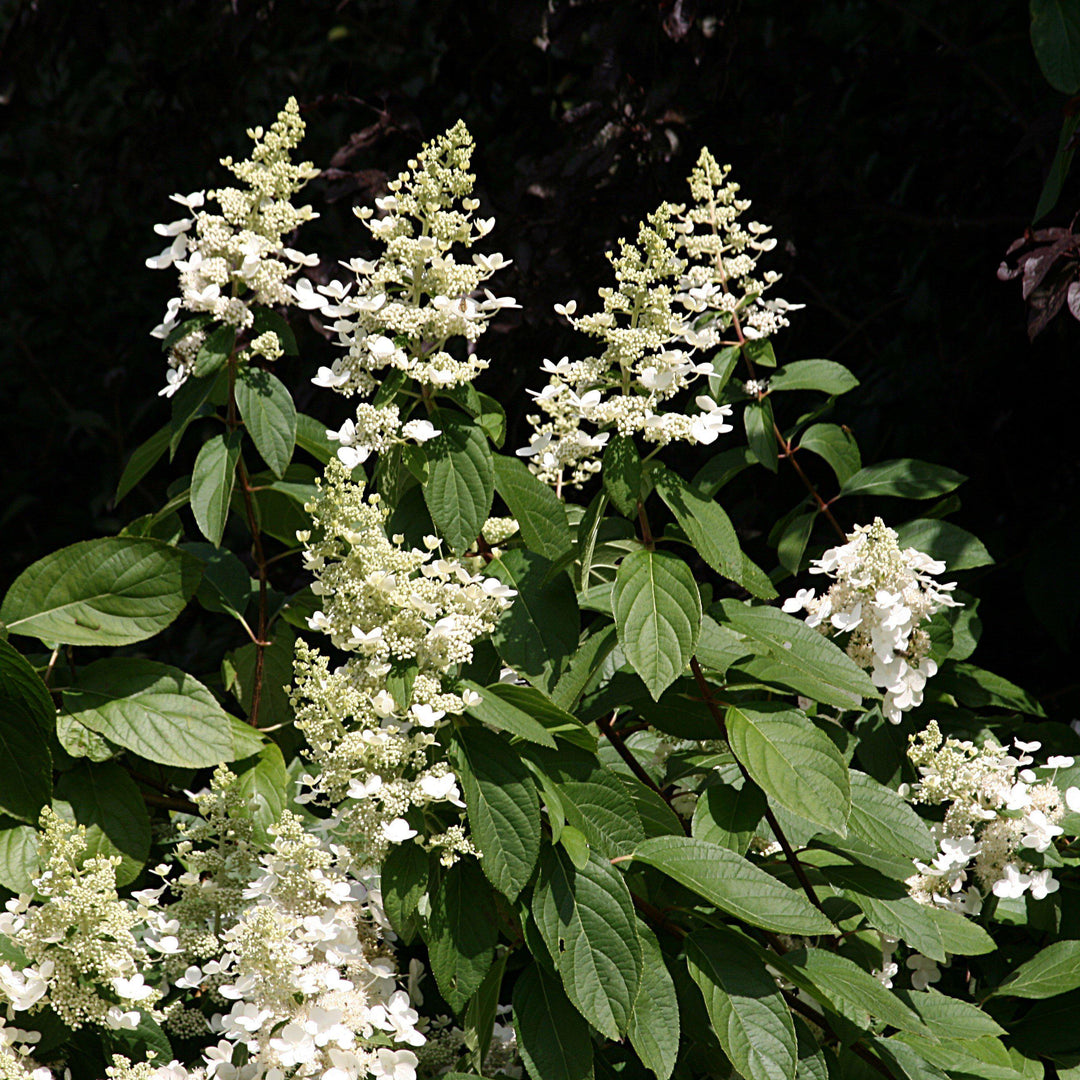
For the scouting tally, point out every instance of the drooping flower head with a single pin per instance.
(881, 597)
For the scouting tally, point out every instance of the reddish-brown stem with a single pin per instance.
(646, 532)
(770, 817)
(607, 728)
(823, 507)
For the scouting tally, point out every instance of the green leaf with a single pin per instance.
(1054, 970)
(711, 532)
(194, 399)
(552, 1036)
(960, 935)
(905, 478)
(106, 800)
(587, 920)
(461, 483)
(27, 718)
(658, 615)
(158, 712)
(212, 484)
(760, 353)
(758, 420)
(538, 634)
(19, 863)
(269, 415)
(978, 689)
(825, 375)
(729, 816)
(956, 547)
(792, 761)
(841, 985)
(492, 709)
(112, 591)
(263, 780)
(188, 326)
(584, 664)
(722, 468)
(280, 502)
(275, 706)
(311, 436)
(1055, 37)
(883, 820)
(654, 1023)
(791, 545)
(723, 364)
(888, 907)
(503, 808)
(811, 1064)
(139, 1042)
(403, 878)
(744, 1004)
(80, 742)
(462, 931)
(1059, 167)
(540, 515)
(143, 458)
(837, 446)
(600, 806)
(733, 884)
(798, 656)
(226, 581)
(588, 531)
(557, 722)
(214, 352)
(622, 475)
(949, 1017)
(480, 1016)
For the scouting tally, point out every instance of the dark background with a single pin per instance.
(896, 147)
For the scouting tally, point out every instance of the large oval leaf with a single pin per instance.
(461, 479)
(27, 717)
(733, 884)
(503, 807)
(113, 591)
(1054, 970)
(654, 1025)
(744, 1003)
(159, 712)
(269, 415)
(792, 761)
(552, 1036)
(212, 484)
(539, 632)
(798, 656)
(658, 615)
(105, 800)
(587, 920)
(540, 514)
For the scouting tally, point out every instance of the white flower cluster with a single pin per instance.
(402, 310)
(232, 260)
(997, 806)
(687, 281)
(84, 959)
(880, 596)
(407, 617)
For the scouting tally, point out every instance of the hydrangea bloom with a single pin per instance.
(407, 617)
(402, 310)
(880, 597)
(689, 279)
(230, 261)
(996, 808)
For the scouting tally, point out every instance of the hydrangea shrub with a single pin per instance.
(537, 774)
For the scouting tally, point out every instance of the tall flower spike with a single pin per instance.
(681, 287)
(395, 610)
(403, 309)
(233, 260)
